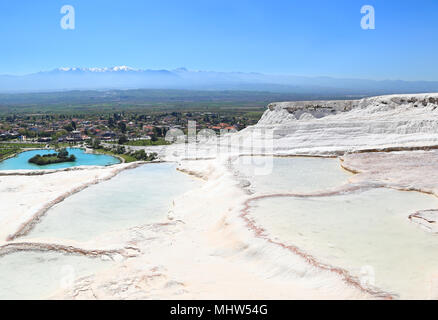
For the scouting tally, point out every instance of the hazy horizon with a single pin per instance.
(134, 68)
(125, 77)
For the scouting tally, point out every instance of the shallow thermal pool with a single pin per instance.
(39, 275)
(367, 233)
(291, 174)
(137, 196)
(20, 161)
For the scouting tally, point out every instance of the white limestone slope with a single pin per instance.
(336, 127)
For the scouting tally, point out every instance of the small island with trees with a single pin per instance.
(61, 156)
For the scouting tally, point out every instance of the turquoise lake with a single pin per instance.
(20, 162)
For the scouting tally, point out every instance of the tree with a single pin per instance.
(123, 140)
(158, 131)
(63, 153)
(59, 134)
(95, 144)
(69, 128)
(120, 150)
(122, 127)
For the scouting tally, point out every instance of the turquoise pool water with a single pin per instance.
(20, 162)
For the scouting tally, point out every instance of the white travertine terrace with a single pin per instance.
(327, 128)
(207, 248)
(26, 194)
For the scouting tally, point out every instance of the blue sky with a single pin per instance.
(308, 37)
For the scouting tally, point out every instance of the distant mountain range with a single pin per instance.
(123, 77)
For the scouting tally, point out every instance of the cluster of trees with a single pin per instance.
(61, 156)
(139, 155)
(70, 127)
(6, 152)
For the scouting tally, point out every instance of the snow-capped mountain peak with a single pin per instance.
(122, 68)
(95, 69)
